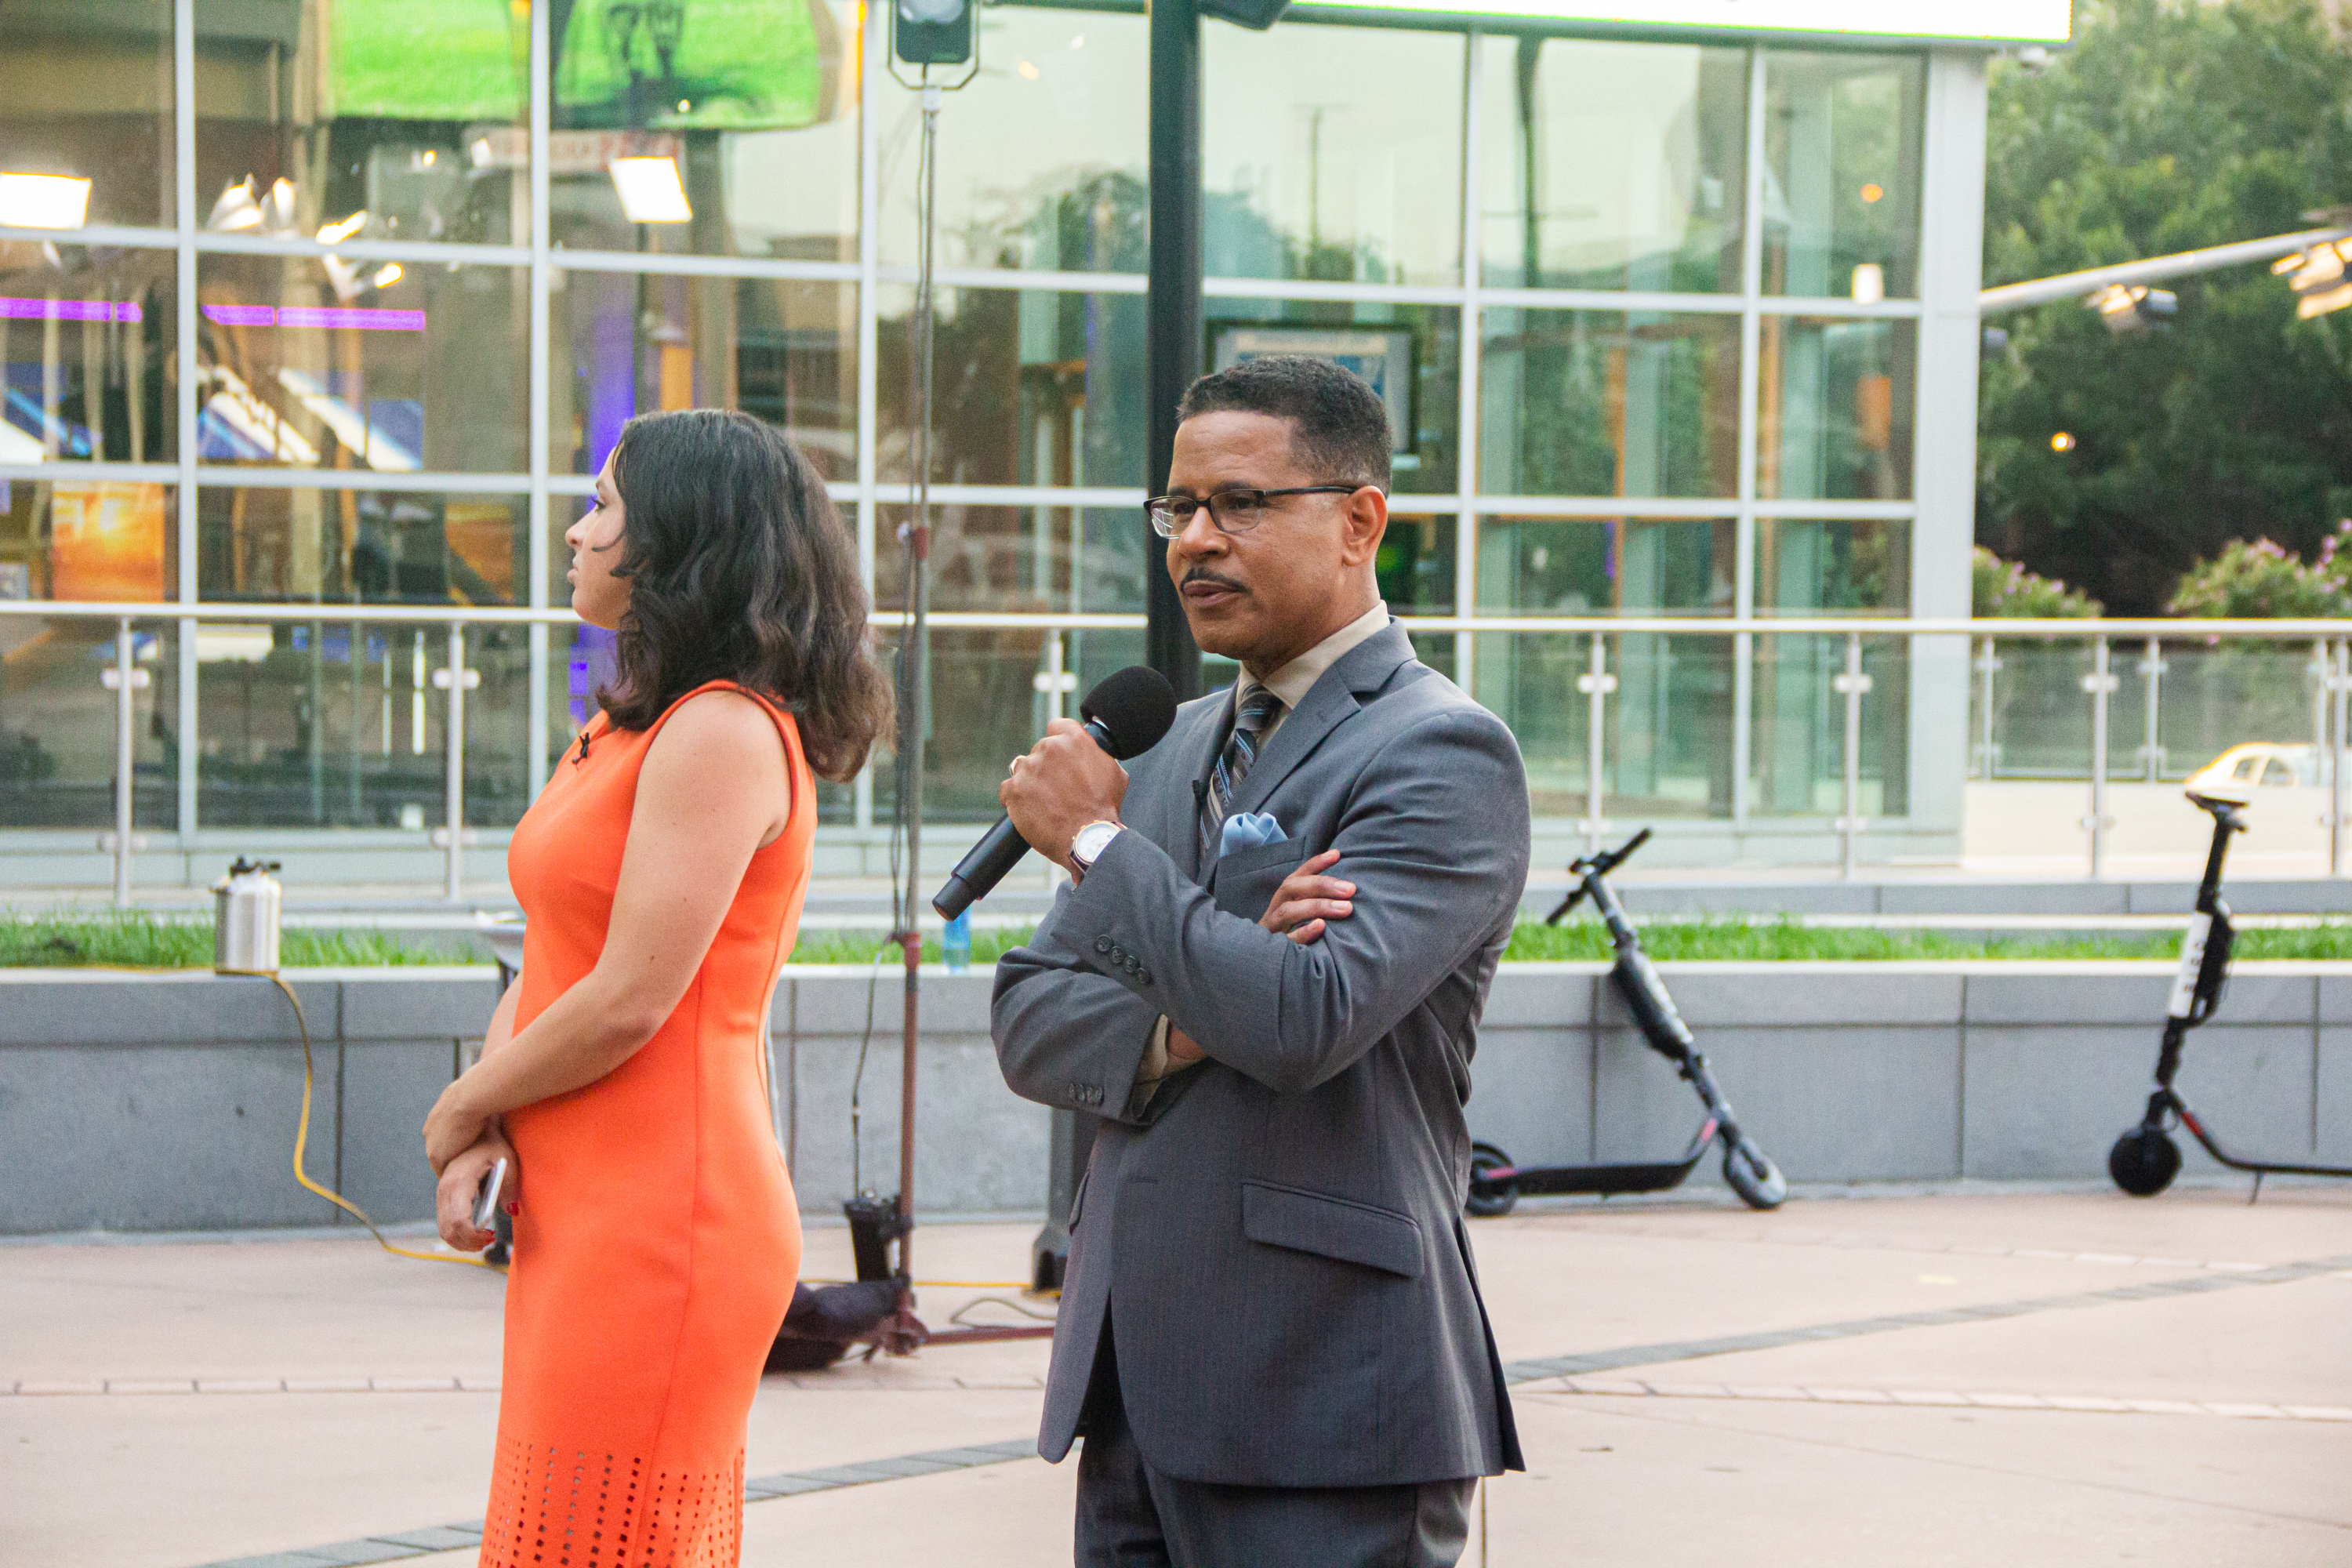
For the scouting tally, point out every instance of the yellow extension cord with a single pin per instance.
(302, 1139)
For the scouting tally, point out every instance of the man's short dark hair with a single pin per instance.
(1339, 425)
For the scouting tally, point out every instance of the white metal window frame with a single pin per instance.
(866, 492)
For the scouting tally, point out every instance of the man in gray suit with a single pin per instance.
(1271, 1334)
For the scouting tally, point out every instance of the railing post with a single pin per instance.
(124, 679)
(2101, 684)
(2151, 668)
(455, 680)
(1851, 684)
(1987, 749)
(2339, 713)
(1596, 683)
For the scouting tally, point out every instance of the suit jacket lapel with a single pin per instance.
(1330, 703)
(1193, 744)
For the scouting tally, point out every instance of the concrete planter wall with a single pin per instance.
(169, 1102)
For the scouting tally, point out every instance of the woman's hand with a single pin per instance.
(461, 1184)
(453, 1127)
(1307, 899)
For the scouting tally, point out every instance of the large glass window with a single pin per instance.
(320, 363)
(1836, 400)
(1613, 165)
(92, 540)
(328, 725)
(1838, 567)
(1665, 729)
(705, 127)
(87, 91)
(628, 344)
(362, 546)
(1841, 174)
(1798, 728)
(86, 347)
(1333, 152)
(1090, 560)
(383, 119)
(1033, 387)
(1596, 403)
(1600, 567)
(1041, 159)
(58, 723)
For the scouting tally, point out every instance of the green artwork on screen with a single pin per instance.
(430, 59)
(658, 63)
(734, 65)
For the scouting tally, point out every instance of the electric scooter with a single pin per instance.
(1495, 1182)
(2146, 1159)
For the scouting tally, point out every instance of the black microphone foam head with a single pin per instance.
(1135, 705)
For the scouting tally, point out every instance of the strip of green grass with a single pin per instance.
(134, 939)
(137, 940)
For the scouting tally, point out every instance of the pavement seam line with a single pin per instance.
(2249, 1410)
(395, 1546)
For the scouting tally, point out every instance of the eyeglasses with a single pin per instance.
(1233, 512)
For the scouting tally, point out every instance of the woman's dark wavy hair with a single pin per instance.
(738, 569)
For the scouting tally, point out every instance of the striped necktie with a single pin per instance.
(1257, 710)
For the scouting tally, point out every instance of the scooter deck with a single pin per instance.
(1554, 1179)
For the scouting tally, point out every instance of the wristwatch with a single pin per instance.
(1091, 841)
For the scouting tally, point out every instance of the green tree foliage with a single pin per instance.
(2262, 579)
(2172, 124)
(2006, 588)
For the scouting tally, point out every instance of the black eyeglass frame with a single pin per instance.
(1211, 500)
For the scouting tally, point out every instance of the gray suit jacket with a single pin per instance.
(1277, 1236)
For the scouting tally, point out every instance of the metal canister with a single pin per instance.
(245, 919)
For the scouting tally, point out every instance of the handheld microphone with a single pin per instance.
(1125, 713)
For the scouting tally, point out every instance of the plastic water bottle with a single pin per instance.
(957, 943)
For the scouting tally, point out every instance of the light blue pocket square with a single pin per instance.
(1248, 830)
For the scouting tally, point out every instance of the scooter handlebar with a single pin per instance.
(1599, 865)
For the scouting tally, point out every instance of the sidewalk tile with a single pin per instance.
(1768, 1391)
(2010, 1401)
(62, 1385)
(2319, 1412)
(240, 1385)
(2249, 1412)
(1928, 1396)
(2164, 1408)
(2085, 1402)
(413, 1385)
(1851, 1395)
(151, 1385)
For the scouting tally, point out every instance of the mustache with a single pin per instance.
(1202, 575)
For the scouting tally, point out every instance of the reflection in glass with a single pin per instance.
(86, 346)
(1798, 745)
(1033, 387)
(1666, 736)
(1841, 174)
(1835, 407)
(784, 350)
(1618, 565)
(322, 724)
(1594, 403)
(376, 547)
(88, 541)
(1411, 353)
(378, 118)
(87, 91)
(1415, 565)
(57, 724)
(1041, 159)
(1614, 165)
(417, 368)
(1334, 154)
(743, 120)
(1085, 560)
(1838, 568)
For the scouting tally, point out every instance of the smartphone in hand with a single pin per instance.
(486, 1203)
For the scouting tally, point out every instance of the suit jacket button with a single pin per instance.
(1102, 944)
(1119, 955)
(1144, 975)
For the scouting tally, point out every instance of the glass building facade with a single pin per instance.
(343, 303)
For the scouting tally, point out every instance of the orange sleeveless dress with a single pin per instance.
(658, 1239)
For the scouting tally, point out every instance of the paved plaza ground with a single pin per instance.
(1922, 1376)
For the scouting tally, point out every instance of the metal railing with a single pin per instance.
(1598, 683)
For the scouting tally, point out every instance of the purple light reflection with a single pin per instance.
(305, 316)
(22, 309)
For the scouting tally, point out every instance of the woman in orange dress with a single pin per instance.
(662, 871)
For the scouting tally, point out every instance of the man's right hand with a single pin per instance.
(1307, 899)
(461, 1183)
(1299, 911)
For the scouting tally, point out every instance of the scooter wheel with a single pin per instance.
(2144, 1161)
(1753, 1175)
(1489, 1198)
